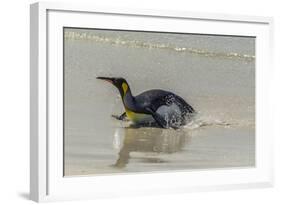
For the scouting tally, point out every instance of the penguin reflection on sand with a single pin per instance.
(165, 108)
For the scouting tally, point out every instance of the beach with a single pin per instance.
(215, 74)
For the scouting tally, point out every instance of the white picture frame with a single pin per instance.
(46, 179)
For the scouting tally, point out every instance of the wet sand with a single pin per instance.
(154, 149)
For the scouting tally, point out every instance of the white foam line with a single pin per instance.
(71, 35)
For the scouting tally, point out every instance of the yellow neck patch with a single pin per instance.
(125, 87)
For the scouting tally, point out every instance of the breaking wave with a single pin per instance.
(71, 35)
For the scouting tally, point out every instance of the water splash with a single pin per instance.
(83, 36)
(198, 123)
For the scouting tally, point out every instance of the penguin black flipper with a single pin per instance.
(158, 118)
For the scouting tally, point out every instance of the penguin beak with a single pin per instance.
(106, 79)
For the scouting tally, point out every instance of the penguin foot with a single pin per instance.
(121, 117)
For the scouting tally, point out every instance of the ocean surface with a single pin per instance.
(215, 74)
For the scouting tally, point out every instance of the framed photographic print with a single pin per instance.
(127, 102)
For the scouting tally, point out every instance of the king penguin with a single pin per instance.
(164, 108)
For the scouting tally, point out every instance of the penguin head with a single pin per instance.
(120, 83)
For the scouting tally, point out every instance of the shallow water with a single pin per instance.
(215, 74)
